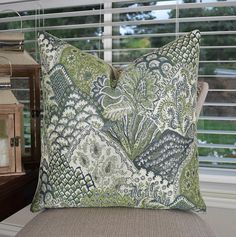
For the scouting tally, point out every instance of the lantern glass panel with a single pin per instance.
(4, 143)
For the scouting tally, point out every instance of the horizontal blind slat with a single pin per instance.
(67, 27)
(134, 23)
(217, 118)
(223, 132)
(217, 159)
(222, 90)
(201, 61)
(219, 104)
(224, 146)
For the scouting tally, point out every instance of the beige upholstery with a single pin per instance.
(115, 222)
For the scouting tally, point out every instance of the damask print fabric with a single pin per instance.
(129, 142)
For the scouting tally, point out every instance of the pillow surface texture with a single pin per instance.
(128, 142)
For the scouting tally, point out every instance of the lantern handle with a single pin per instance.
(12, 10)
(43, 18)
(9, 62)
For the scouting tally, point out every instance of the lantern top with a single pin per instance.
(7, 98)
(18, 58)
(16, 36)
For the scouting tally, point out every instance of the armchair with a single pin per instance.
(122, 222)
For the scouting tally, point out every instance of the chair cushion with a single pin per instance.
(114, 222)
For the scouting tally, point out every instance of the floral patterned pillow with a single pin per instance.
(127, 142)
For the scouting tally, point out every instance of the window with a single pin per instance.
(120, 31)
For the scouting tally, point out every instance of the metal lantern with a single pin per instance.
(10, 129)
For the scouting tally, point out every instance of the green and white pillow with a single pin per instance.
(128, 142)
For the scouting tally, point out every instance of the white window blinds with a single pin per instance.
(120, 31)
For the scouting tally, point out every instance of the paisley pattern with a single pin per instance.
(125, 141)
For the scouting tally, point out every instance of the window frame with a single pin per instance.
(218, 185)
